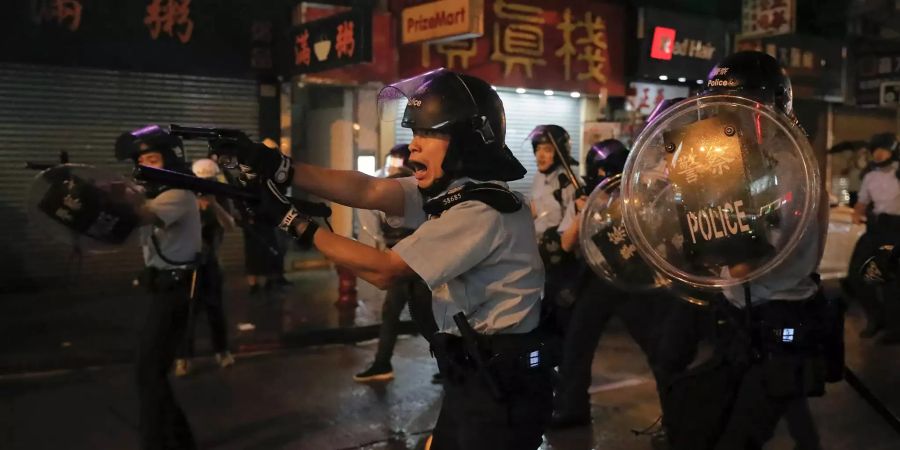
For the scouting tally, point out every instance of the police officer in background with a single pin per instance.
(595, 303)
(474, 246)
(413, 291)
(552, 193)
(771, 345)
(171, 244)
(214, 222)
(880, 193)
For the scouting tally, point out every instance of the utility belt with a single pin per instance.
(883, 223)
(501, 358)
(799, 344)
(162, 280)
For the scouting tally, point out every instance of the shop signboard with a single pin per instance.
(338, 40)
(442, 21)
(678, 47)
(768, 17)
(815, 64)
(874, 70)
(536, 44)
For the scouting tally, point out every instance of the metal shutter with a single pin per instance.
(523, 113)
(44, 110)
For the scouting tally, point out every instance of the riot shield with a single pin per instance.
(80, 205)
(733, 183)
(606, 245)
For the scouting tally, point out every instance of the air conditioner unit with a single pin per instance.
(890, 93)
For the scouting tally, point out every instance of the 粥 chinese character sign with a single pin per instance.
(768, 17)
(335, 41)
(535, 44)
(442, 20)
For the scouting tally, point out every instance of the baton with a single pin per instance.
(579, 186)
(191, 183)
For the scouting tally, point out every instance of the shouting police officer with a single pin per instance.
(171, 243)
(474, 247)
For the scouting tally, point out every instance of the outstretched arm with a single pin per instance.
(350, 188)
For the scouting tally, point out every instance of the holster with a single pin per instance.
(162, 280)
(505, 355)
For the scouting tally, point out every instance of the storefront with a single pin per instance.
(74, 78)
(548, 63)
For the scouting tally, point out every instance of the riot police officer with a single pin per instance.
(552, 194)
(412, 292)
(880, 193)
(773, 330)
(171, 242)
(474, 247)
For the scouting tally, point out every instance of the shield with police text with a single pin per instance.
(606, 245)
(734, 180)
(80, 205)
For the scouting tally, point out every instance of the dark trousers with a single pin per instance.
(880, 303)
(418, 296)
(666, 328)
(208, 299)
(163, 424)
(735, 400)
(472, 418)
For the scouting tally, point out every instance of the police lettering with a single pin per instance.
(717, 222)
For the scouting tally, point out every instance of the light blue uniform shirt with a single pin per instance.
(179, 239)
(549, 212)
(882, 188)
(475, 260)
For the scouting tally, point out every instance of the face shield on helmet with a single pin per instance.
(152, 138)
(719, 190)
(466, 109)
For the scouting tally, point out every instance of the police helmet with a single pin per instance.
(467, 109)
(152, 138)
(543, 133)
(609, 155)
(753, 75)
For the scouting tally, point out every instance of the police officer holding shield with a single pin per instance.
(474, 246)
(171, 242)
(737, 172)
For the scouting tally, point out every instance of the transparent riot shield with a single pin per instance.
(719, 190)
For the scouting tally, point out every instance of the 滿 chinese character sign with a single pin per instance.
(64, 13)
(334, 41)
(537, 44)
(720, 190)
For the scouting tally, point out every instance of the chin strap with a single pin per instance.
(497, 197)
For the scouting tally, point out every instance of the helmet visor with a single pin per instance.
(434, 100)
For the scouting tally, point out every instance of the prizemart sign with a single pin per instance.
(443, 20)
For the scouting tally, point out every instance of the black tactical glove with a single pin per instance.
(277, 210)
(881, 267)
(257, 162)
